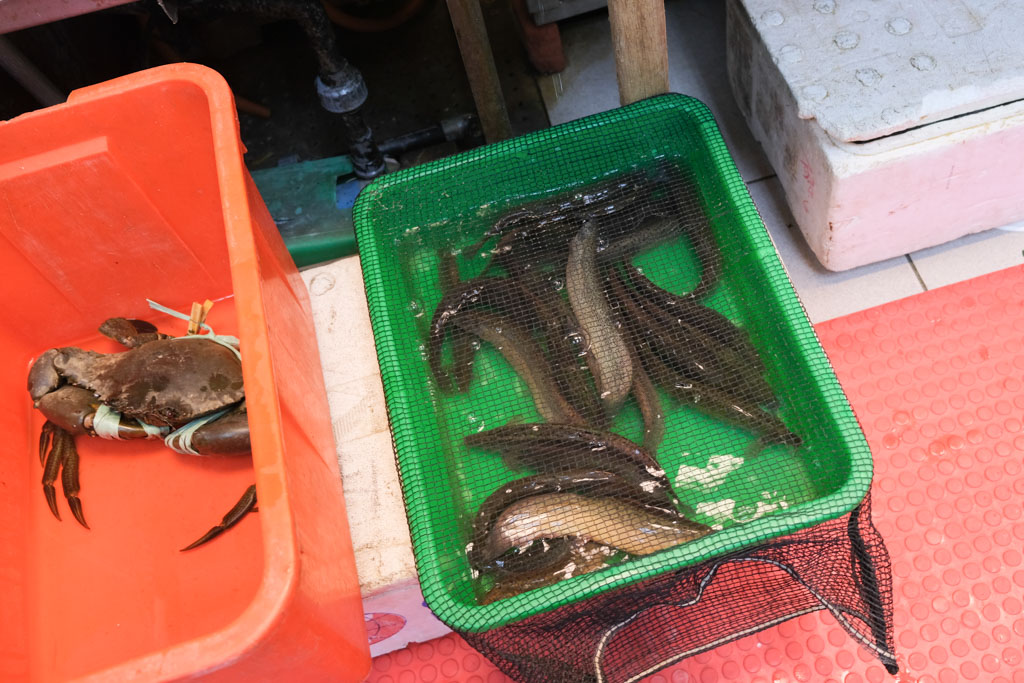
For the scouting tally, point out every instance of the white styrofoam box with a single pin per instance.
(893, 126)
(394, 609)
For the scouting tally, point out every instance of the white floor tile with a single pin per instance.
(970, 256)
(826, 294)
(696, 54)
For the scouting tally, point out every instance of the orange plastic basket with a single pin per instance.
(135, 188)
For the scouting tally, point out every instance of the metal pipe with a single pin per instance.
(340, 85)
(308, 14)
(367, 161)
(449, 130)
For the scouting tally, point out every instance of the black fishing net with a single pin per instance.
(608, 404)
(840, 566)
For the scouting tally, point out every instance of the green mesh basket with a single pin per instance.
(409, 227)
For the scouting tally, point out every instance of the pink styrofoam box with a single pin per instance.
(399, 616)
(894, 163)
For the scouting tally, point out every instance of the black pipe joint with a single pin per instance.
(344, 92)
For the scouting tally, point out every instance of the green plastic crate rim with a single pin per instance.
(417, 202)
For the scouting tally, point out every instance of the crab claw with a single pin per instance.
(129, 332)
(245, 505)
(43, 377)
(61, 456)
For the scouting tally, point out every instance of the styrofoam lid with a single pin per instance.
(868, 68)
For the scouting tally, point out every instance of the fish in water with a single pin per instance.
(610, 522)
(608, 355)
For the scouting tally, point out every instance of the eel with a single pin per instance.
(608, 355)
(579, 557)
(456, 301)
(647, 399)
(684, 200)
(769, 428)
(463, 345)
(562, 334)
(634, 239)
(587, 482)
(707, 320)
(597, 199)
(696, 354)
(644, 331)
(606, 521)
(547, 447)
(718, 404)
(526, 358)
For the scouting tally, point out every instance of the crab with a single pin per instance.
(187, 390)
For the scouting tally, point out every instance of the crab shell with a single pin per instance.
(168, 382)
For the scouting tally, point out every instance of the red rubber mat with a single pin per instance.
(937, 381)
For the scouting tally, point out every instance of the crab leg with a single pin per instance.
(62, 457)
(69, 475)
(45, 439)
(245, 505)
(53, 459)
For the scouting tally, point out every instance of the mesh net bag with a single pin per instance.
(607, 402)
(840, 566)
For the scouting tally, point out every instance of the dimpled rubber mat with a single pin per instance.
(936, 381)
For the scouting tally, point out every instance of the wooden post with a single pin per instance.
(640, 46)
(478, 60)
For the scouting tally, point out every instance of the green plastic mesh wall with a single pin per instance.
(597, 373)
